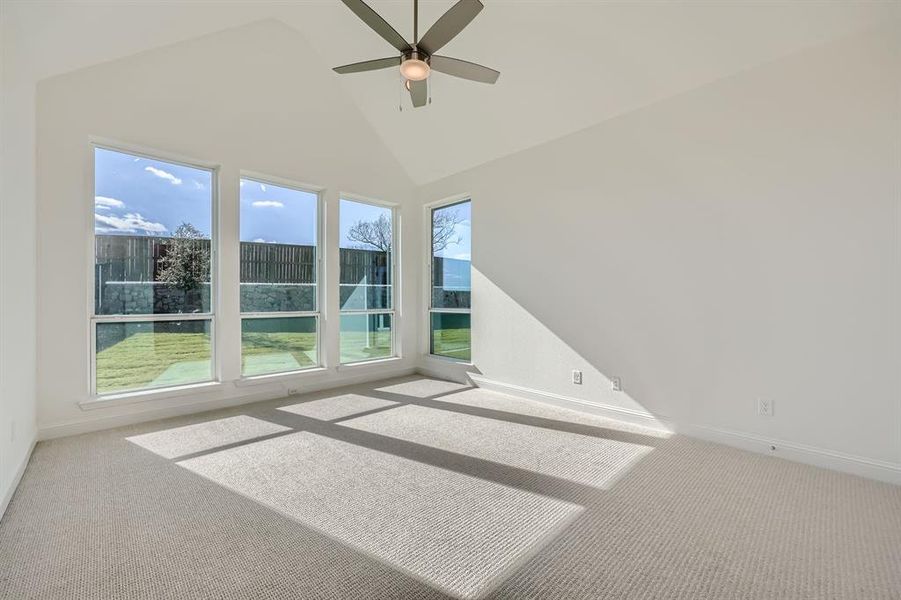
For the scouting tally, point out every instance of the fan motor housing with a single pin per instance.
(416, 54)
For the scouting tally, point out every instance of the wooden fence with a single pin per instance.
(137, 258)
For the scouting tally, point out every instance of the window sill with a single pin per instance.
(136, 397)
(447, 360)
(279, 377)
(368, 363)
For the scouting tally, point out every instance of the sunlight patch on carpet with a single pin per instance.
(423, 388)
(460, 534)
(181, 441)
(589, 460)
(337, 407)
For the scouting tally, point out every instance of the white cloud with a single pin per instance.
(461, 256)
(198, 185)
(263, 186)
(267, 204)
(104, 203)
(130, 223)
(163, 175)
(262, 241)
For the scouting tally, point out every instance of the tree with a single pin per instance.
(186, 264)
(444, 229)
(377, 234)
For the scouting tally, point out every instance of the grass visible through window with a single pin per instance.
(277, 352)
(453, 343)
(153, 359)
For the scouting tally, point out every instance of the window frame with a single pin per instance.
(93, 320)
(428, 268)
(394, 311)
(320, 311)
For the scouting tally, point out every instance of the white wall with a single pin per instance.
(17, 263)
(252, 98)
(734, 242)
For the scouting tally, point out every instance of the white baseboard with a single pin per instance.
(810, 455)
(8, 495)
(246, 395)
(427, 371)
(819, 457)
(445, 368)
(636, 417)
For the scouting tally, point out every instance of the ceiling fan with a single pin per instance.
(417, 60)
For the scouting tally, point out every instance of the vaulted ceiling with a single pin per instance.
(565, 65)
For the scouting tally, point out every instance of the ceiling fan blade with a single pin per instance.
(368, 65)
(378, 24)
(464, 69)
(449, 25)
(419, 92)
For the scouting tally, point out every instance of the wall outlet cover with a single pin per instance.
(577, 377)
(764, 407)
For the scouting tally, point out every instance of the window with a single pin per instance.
(449, 302)
(279, 275)
(366, 282)
(154, 257)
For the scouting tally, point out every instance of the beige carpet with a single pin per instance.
(418, 488)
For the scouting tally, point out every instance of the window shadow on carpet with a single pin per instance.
(451, 491)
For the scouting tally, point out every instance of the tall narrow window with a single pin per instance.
(153, 269)
(279, 274)
(449, 311)
(367, 280)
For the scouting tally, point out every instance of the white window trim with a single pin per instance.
(426, 329)
(395, 310)
(93, 319)
(321, 281)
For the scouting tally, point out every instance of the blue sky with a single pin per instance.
(462, 249)
(352, 212)
(143, 196)
(140, 196)
(275, 214)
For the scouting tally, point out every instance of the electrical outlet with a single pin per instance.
(292, 391)
(764, 407)
(616, 383)
(577, 377)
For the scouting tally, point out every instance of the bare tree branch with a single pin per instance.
(374, 234)
(444, 229)
(378, 235)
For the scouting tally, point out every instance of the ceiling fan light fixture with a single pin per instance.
(417, 59)
(414, 69)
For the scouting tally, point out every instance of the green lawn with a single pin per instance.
(147, 359)
(355, 346)
(277, 352)
(453, 343)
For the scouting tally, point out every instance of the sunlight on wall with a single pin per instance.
(511, 345)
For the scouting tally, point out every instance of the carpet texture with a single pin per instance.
(418, 488)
